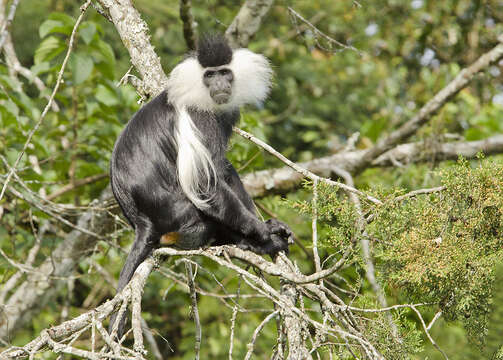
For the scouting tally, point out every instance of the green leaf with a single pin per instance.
(106, 96)
(87, 32)
(81, 66)
(40, 68)
(48, 49)
(53, 26)
(107, 52)
(67, 20)
(310, 136)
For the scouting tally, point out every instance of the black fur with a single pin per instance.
(213, 50)
(144, 181)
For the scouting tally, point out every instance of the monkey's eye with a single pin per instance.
(209, 74)
(224, 72)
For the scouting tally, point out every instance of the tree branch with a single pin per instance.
(4, 31)
(285, 179)
(188, 21)
(134, 34)
(247, 22)
(431, 107)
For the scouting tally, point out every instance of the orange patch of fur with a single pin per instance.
(170, 238)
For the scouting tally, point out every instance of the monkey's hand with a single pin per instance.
(281, 229)
(278, 236)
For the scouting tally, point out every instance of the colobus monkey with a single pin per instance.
(169, 172)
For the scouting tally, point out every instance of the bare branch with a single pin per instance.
(188, 24)
(56, 333)
(7, 22)
(247, 22)
(259, 328)
(256, 260)
(435, 318)
(134, 34)
(419, 192)
(431, 107)
(427, 332)
(314, 227)
(286, 179)
(76, 184)
(194, 310)
(295, 15)
(136, 293)
(310, 175)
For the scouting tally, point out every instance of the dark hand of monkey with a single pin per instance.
(281, 229)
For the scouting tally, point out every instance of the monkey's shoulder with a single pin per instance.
(151, 127)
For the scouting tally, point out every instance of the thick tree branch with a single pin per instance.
(134, 34)
(285, 179)
(247, 22)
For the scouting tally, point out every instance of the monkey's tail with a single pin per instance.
(144, 243)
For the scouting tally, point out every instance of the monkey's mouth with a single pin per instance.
(221, 97)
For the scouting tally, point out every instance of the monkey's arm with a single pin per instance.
(233, 180)
(228, 209)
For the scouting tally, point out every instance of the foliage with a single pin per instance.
(440, 248)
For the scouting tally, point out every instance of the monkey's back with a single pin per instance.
(143, 163)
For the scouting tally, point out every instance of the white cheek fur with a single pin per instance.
(251, 85)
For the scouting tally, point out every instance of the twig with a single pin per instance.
(418, 192)
(77, 183)
(151, 340)
(259, 328)
(427, 332)
(388, 308)
(314, 226)
(8, 21)
(195, 311)
(435, 318)
(51, 99)
(233, 325)
(308, 174)
(316, 31)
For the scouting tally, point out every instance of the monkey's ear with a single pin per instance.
(213, 50)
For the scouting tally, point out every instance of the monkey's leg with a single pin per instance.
(145, 241)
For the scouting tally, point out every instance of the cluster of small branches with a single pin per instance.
(303, 332)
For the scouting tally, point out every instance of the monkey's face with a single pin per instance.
(219, 80)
